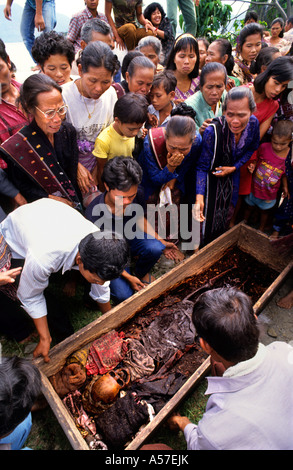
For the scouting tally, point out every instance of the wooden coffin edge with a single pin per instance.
(239, 235)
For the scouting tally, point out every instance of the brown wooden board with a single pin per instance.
(246, 238)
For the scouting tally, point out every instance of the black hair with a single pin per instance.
(264, 58)
(183, 109)
(282, 23)
(20, 385)
(32, 87)
(205, 41)
(3, 54)
(121, 173)
(182, 43)
(167, 79)
(211, 67)
(280, 69)
(138, 63)
(283, 128)
(104, 253)
(225, 48)
(149, 10)
(180, 125)
(131, 108)
(251, 15)
(248, 30)
(127, 59)
(94, 25)
(290, 20)
(98, 54)
(225, 319)
(51, 43)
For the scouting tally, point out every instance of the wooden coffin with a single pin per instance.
(246, 238)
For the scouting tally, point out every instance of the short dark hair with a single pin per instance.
(280, 69)
(121, 173)
(51, 43)
(283, 128)
(104, 253)
(290, 20)
(167, 79)
(32, 87)
(149, 10)
(225, 319)
(211, 67)
(98, 54)
(181, 43)
(20, 385)
(3, 54)
(94, 25)
(131, 108)
(251, 15)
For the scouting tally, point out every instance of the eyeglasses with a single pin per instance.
(51, 113)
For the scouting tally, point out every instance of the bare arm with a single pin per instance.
(7, 10)
(39, 20)
(108, 10)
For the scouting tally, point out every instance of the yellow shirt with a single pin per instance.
(110, 144)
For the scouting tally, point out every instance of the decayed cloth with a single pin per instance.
(106, 352)
(122, 420)
(170, 331)
(138, 362)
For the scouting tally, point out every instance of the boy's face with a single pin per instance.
(159, 98)
(128, 129)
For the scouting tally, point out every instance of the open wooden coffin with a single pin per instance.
(247, 239)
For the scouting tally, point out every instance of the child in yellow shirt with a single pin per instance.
(118, 139)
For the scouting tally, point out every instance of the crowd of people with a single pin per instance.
(87, 140)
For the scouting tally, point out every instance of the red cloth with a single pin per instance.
(265, 109)
(106, 352)
(11, 120)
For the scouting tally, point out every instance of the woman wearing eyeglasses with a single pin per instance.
(42, 157)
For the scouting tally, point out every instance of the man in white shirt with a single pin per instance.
(51, 236)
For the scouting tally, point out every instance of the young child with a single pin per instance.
(270, 172)
(118, 139)
(162, 95)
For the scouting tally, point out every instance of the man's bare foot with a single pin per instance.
(287, 301)
(148, 278)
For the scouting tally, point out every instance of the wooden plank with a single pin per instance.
(173, 403)
(63, 416)
(272, 289)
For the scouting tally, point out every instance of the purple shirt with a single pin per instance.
(250, 409)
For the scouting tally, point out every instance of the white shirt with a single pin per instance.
(79, 107)
(46, 233)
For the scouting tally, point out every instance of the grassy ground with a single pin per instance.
(46, 433)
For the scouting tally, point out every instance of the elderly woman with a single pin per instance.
(168, 161)
(207, 102)
(249, 45)
(162, 27)
(151, 47)
(228, 143)
(54, 54)
(220, 51)
(42, 156)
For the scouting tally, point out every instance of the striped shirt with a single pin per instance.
(76, 23)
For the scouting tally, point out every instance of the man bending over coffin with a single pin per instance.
(50, 236)
(121, 208)
(251, 404)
